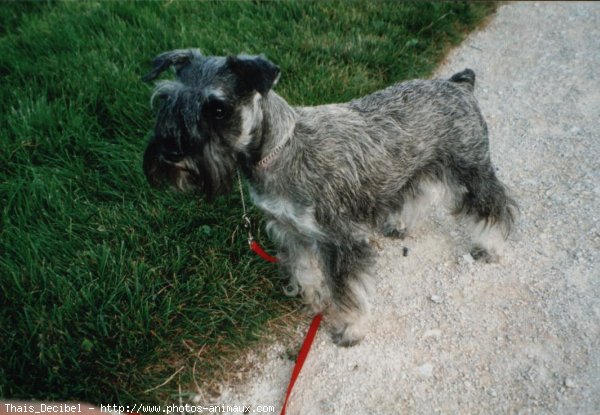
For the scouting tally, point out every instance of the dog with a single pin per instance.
(327, 177)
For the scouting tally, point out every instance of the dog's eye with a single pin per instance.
(219, 113)
(216, 110)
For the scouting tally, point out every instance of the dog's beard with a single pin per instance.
(213, 178)
(207, 172)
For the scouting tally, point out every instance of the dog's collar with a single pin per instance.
(268, 159)
(265, 161)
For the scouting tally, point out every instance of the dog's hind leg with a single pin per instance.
(489, 210)
(417, 198)
(398, 224)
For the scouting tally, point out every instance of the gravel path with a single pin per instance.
(453, 336)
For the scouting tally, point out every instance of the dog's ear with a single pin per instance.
(177, 58)
(255, 72)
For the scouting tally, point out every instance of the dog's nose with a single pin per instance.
(172, 156)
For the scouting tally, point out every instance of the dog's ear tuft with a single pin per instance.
(177, 58)
(255, 72)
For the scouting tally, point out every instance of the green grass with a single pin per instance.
(108, 287)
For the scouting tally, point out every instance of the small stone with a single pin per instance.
(432, 333)
(570, 383)
(436, 299)
(327, 406)
(425, 370)
(468, 258)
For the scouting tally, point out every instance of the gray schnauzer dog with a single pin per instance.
(327, 177)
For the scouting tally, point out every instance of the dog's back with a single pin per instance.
(366, 151)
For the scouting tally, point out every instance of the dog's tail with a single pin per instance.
(466, 77)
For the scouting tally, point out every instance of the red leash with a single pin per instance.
(308, 341)
(260, 251)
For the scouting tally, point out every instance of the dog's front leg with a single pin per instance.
(301, 262)
(346, 268)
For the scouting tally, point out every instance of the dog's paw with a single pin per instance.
(349, 336)
(479, 253)
(395, 232)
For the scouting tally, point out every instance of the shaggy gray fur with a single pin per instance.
(330, 175)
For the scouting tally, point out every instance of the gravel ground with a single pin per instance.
(453, 336)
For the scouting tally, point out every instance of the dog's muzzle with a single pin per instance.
(163, 165)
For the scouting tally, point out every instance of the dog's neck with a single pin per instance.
(279, 121)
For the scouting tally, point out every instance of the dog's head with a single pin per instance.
(209, 119)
